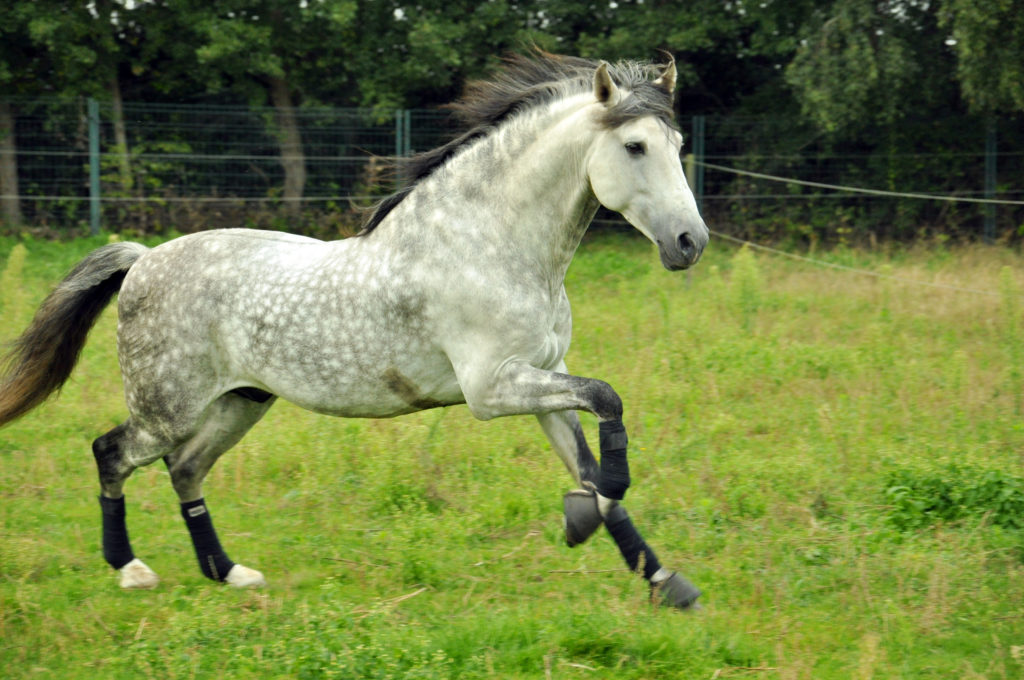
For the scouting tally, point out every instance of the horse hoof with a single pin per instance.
(137, 576)
(582, 517)
(676, 591)
(244, 577)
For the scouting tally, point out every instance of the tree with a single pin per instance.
(730, 55)
(868, 61)
(418, 54)
(16, 77)
(86, 44)
(988, 40)
(862, 62)
(269, 51)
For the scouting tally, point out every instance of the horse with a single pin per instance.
(452, 293)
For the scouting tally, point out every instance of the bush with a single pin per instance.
(952, 493)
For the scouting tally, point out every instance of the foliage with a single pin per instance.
(851, 78)
(989, 43)
(846, 59)
(862, 61)
(953, 493)
(850, 66)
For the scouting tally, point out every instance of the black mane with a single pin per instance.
(526, 82)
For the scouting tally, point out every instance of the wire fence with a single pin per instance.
(188, 167)
(772, 177)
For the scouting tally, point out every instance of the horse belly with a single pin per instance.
(354, 388)
(352, 358)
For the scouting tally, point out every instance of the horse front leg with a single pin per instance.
(582, 516)
(553, 396)
(599, 502)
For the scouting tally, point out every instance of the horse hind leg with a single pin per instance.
(129, 446)
(226, 422)
(118, 453)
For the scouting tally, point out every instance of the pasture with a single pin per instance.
(837, 460)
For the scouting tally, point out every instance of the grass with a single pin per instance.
(772, 406)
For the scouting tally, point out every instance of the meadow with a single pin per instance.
(836, 459)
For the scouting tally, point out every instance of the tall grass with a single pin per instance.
(1013, 337)
(12, 290)
(772, 408)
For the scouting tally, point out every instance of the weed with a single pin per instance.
(746, 286)
(921, 497)
(13, 305)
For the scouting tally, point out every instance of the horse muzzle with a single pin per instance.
(684, 249)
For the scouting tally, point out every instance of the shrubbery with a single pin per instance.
(921, 497)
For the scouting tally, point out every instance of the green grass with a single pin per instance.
(772, 408)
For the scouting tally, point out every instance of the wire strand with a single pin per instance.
(852, 270)
(858, 190)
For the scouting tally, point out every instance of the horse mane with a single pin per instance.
(525, 82)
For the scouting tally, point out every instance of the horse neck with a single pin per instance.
(523, 189)
(545, 183)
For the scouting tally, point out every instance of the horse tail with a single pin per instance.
(41, 360)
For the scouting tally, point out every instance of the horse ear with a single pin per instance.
(605, 89)
(667, 80)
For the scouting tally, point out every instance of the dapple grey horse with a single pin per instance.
(452, 293)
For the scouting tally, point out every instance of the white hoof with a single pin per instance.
(244, 577)
(136, 575)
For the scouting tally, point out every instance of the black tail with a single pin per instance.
(41, 360)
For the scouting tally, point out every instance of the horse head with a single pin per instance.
(634, 166)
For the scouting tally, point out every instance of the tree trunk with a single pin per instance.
(293, 160)
(10, 203)
(120, 136)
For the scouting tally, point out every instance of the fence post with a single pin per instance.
(690, 170)
(697, 146)
(991, 152)
(408, 132)
(403, 132)
(10, 202)
(93, 108)
(399, 133)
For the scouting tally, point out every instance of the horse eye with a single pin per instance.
(635, 148)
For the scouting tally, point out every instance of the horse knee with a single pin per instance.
(606, 402)
(107, 446)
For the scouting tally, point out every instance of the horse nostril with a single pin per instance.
(687, 246)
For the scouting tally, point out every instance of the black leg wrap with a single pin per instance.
(117, 550)
(630, 543)
(212, 560)
(614, 466)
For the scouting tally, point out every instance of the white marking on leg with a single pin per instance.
(660, 576)
(137, 576)
(605, 505)
(244, 577)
